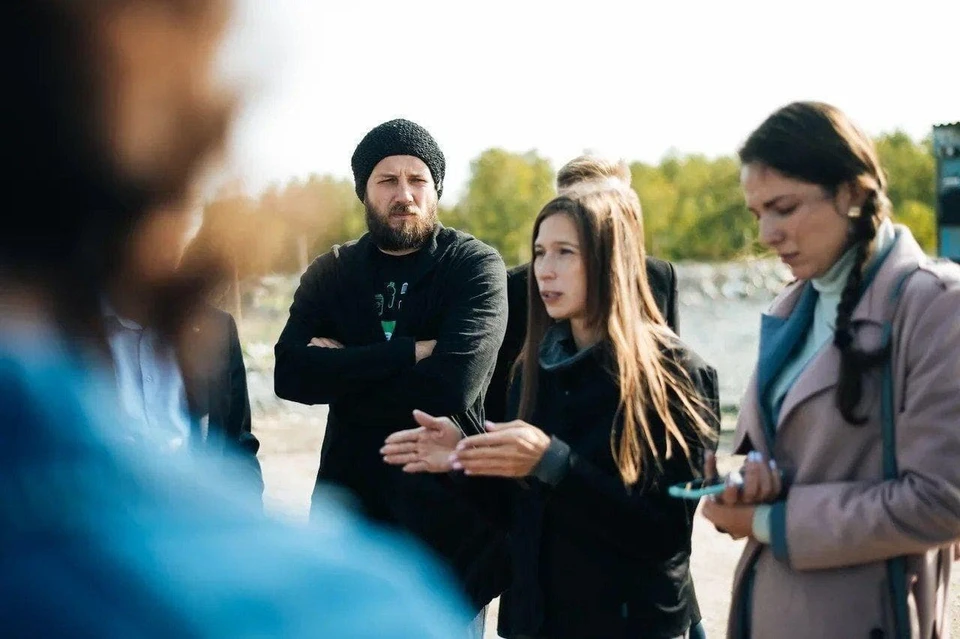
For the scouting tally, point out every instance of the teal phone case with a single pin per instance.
(683, 491)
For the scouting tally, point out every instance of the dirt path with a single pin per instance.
(290, 454)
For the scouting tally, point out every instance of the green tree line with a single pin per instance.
(692, 205)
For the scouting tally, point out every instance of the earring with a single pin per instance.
(854, 212)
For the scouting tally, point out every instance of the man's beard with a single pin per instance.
(412, 235)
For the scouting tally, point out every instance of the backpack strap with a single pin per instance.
(896, 566)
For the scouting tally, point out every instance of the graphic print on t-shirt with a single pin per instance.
(388, 304)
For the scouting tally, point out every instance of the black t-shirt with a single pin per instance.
(392, 285)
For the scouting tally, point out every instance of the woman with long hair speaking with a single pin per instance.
(611, 408)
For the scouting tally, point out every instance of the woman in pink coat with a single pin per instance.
(851, 421)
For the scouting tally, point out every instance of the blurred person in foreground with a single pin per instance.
(115, 113)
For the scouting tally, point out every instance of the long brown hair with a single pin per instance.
(621, 307)
(817, 143)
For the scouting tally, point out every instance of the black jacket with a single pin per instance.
(590, 558)
(661, 276)
(456, 295)
(211, 362)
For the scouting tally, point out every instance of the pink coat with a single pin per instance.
(842, 520)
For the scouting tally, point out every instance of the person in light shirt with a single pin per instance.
(186, 397)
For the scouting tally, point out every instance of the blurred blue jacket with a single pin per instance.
(100, 539)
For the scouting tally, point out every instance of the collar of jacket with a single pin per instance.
(783, 328)
(902, 255)
(558, 351)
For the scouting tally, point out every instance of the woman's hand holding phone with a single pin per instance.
(732, 509)
(757, 482)
(705, 487)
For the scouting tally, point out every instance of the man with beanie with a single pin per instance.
(409, 316)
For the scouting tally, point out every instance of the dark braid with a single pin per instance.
(854, 362)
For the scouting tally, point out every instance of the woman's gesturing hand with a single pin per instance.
(512, 449)
(426, 449)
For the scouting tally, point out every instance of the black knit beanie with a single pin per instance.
(396, 137)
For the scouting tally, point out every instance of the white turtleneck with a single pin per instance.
(830, 288)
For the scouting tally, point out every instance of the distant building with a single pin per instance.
(946, 150)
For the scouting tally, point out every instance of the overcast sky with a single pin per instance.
(629, 79)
